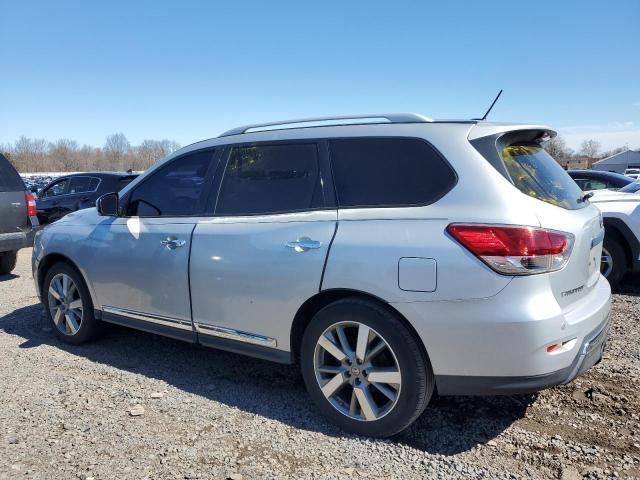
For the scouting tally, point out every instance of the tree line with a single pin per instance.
(591, 149)
(65, 155)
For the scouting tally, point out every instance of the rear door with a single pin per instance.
(262, 255)
(13, 208)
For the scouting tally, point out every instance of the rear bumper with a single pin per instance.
(14, 241)
(590, 354)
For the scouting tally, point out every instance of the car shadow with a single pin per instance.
(630, 285)
(8, 276)
(264, 388)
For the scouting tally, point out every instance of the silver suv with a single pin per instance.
(392, 256)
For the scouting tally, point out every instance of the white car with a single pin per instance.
(632, 172)
(621, 214)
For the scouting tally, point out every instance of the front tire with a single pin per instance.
(68, 305)
(8, 262)
(364, 369)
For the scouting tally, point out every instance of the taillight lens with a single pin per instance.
(515, 250)
(31, 205)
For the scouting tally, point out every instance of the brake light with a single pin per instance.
(515, 250)
(31, 205)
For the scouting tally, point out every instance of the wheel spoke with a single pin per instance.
(76, 304)
(386, 391)
(375, 351)
(363, 342)
(353, 405)
(384, 375)
(57, 316)
(331, 348)
(333, 385)
(54, 293)
(367, 405)
(72, 324)
(331, 369)
(65, 285)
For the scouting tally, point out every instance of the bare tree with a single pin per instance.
(557, 148)
(64, 155)
(116, 149)
(590, 148)
(150, 151)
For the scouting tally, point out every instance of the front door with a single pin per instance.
(262, 255)
(140, 267)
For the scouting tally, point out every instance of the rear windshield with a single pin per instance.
(535, 173)
(631, 188)
(10, 181)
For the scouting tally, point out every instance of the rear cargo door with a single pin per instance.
(13, 207)
(559, 205)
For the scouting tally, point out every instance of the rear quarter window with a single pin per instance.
(385, 172)
(535, 173)
(10, 181)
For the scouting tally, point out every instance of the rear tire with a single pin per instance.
(614, 261)
(8, 262)
(68, 305)
(404, 378)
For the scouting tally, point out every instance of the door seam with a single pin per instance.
(326, 258)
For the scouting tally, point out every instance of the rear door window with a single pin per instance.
(269, 179)
(535, 173)
(381, 172)
(80, 185)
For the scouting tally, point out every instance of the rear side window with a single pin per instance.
(10, 181)
(174, 190)
(535, 173)
(378, 172)
(267, 179)
(83, 184)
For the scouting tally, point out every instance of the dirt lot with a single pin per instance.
(66, 413)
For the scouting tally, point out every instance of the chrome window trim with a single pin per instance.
(75, 193)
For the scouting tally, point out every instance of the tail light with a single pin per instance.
(515, 250)
(31, 205)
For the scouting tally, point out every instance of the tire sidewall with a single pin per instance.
(88, 326)
(416, 372)
(618, 257)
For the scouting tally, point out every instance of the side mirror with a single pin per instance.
(108, 205)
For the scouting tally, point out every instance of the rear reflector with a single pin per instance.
(515, 250)
(31, 205)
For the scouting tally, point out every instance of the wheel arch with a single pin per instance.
(616, 228)
(320, 300)
(49, 261)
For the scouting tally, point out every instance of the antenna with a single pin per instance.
(491, 107)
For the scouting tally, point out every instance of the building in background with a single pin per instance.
(619, 162)
(576, 163)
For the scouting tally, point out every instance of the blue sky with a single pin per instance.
(189, 70)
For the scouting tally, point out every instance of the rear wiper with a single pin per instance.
(585, 197)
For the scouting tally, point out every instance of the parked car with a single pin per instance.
(77, 191)
(633, 173)
(17, 216)
(589, 180)
(621, 212)
(389, 259)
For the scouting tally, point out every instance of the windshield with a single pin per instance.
(538, 175)
(631, 188)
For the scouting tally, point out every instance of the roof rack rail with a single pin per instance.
(337, 120)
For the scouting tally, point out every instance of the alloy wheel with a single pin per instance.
(65, 304)
(357, 371)
(606, 263)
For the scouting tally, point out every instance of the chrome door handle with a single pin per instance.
(303, 244)
(172, 243)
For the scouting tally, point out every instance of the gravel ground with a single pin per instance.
(134, 405)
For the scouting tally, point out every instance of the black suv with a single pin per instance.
(17, 216)
(75, 192)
